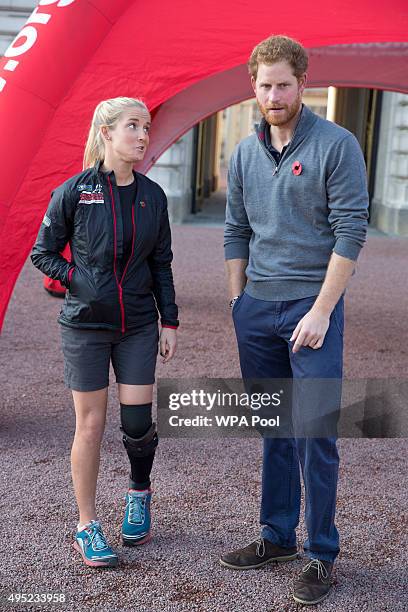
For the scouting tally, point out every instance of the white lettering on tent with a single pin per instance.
(11, 65)
(57, 2)
(29, 33)
(37, 17)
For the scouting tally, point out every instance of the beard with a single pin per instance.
(285, 116)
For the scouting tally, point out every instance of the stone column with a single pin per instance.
(390, 202)
(173, 171)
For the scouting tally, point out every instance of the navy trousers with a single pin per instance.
(263, 329)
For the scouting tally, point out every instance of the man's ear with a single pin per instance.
(302, 81)
(253, 84)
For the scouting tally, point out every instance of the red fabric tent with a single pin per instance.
(186, 60)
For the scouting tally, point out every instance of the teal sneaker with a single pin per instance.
(93, 547)
(136, 524)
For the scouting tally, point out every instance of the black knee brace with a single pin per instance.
(136, 419)
(141, 447)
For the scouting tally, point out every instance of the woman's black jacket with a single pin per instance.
(102, 294)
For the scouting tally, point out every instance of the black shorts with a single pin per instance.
(88, 352)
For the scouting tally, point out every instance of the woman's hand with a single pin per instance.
(168, 343)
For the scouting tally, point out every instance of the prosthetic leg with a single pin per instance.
(137, 521)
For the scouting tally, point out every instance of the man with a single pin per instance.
(295, 222)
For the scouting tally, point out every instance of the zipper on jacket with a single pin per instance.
(276, 169)
(263, 146)
(119, 283)
(122, 308)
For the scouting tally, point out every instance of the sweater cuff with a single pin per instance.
(236, 250)
(170, 324)
(347, 248)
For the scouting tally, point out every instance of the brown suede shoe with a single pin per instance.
(257, 554)
(313, 584)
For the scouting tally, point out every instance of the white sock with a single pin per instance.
(81, 527)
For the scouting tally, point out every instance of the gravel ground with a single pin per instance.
(206, 492)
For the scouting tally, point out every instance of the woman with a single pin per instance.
(117, 225)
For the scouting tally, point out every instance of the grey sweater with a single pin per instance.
(288, 224)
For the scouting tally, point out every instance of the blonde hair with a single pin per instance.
(106, 113)
(277, 49)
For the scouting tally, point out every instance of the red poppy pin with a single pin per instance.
(142, 204)
(296, 168)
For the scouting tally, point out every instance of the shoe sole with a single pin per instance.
(310, 603)
(108, 563)
(281, 559)
(131, 542)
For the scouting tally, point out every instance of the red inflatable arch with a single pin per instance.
(185, 59)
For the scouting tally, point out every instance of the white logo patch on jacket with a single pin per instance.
(92, 197)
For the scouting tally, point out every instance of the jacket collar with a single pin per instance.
(111, 174)
(98, 165)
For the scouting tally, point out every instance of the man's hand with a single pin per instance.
(168, 343)
(311, 330)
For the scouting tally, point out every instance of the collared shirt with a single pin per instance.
(274, 152)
